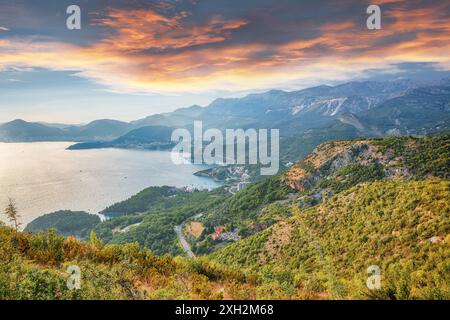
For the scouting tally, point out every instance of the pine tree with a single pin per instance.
(12, 214)
(95, 241)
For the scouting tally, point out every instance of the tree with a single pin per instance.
(12, 214)
(95, 241)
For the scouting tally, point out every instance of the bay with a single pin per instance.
(43, 177)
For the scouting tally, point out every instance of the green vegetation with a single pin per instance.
(74, 223)
(144, 200)
(318, 253)
(245, 205)
(36, 267)
(353, 174)
(336, 166)
(164, 208)
(154, 212)
(324, 251)
(12, 214)
(382, 202)
(244, 210)
(296, 147)
(427, 156)
(149, 217)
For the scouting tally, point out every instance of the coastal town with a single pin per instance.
(219, 234)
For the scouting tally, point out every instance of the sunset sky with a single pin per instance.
(135, 58)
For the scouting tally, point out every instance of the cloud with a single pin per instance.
(145, 29)
(3, 28)
(194, 48)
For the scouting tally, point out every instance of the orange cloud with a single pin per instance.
(146, 51)
(146, 29)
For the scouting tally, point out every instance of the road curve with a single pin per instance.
(187, 248)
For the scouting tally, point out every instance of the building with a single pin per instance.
(242, 185)
(226, 236)
(217, 234)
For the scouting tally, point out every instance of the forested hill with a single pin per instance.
(35, 267)
(330, 169)
(309, 232)
(150, 216)
(324, 251)
(75, 223)
(321, 252)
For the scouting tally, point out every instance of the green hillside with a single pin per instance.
(76, 223)
(36, 267)
(331, 168)
(310, 232)
(324, 251)
(319, 253)
(149, 217)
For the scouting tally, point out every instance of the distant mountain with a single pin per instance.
(99, 130)
(149, 137)
(420, 111)
(370, 108)
(102, 130)
(20, 130)
(178, 118)
(290, 111)
(312, 116)
(59, 125)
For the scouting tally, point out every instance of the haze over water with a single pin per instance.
(43, 177)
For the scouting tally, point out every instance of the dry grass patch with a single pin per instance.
(194, 229)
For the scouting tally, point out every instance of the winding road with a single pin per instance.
(187, 248)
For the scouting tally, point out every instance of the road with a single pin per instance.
(187, 248)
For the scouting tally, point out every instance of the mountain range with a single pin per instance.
(23, 131)
(306, 118)
(366, 107)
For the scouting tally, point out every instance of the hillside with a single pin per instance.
(336, 166)
(319, 253)
(36, 267)
(331, 168)
(310, 232)
(324, 251)
(66, 223)
(149, 217)
(148, 137)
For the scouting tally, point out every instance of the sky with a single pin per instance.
(134, 58)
